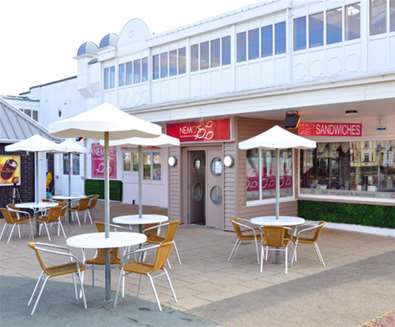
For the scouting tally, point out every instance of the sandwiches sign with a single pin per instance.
(330, 129)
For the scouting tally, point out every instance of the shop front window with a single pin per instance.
(261, 174)
(75, 164)
(152, 166)
(360, 169)
(127, 161)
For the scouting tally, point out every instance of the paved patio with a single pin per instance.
(356, 286)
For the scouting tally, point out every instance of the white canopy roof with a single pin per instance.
(163, 140)
(70, 146)
(277, 138)
(104, 118)
(35, 143)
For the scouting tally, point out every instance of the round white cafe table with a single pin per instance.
(281, 221)
(36, 207)
(68, 197)
(137, 220)
(99, 241)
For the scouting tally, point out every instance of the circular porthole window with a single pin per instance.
(197, 192)
(216, 195)
(216, 167)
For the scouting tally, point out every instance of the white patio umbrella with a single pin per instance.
(277, 138)
(69, 146)
(105, 122)
(36, 144)
(163, 140)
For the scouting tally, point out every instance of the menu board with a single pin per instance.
(10, 170)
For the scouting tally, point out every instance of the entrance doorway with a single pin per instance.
(197, 187)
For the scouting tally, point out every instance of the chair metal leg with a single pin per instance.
(46, 228)
(78, 218)
(19, 230)
(39, 295)
(75, 287)
(233, 250)
(267, 253)
(177, 253)
(3, 230)
(154, 289)
(62, 229)
(90, 216)
(35, 289)
(93, 275)
(286, 260)
(257, 250)
(12, 230)
(317, 250)
(123, 287)
(121, 275)
(168, 263)
(81, 279)
(31, 229)
(170, 284)
(262, 256)
(294, 254)
(139, 285)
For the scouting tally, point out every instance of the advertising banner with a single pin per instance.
(10, 170)
(329, 129)
(97, 154)
(200, 130)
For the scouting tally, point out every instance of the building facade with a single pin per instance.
(222, 80)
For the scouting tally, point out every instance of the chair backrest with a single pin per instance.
(39, 257)
(9, 218)
(275, 236)
(151, 231)
(318, 231)
(237, 228)
(162, 254)
(54, 213)
(83, 204)
(100, 226)
(171, 230)
(93, 201)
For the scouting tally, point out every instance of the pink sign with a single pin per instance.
(329, 129)
(98, 162)
(200, 130)
(268, 182)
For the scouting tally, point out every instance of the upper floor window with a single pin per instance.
(241, 47)
(173, 63)
(133, 72)
(182, 60)
(170, 63)
(121, 75)
(316, 30)
(334, 30)
(129, 73)
(136, 71)
(300, 33)
(164, 64)
(144, 69)
(31, 113)
(280, 38)
(267, 41)
(253, 44)
(210, 54)
(378, 16)
(353, 21)
(155, 67)
(109, 77)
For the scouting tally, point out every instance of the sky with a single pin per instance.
(40, 37)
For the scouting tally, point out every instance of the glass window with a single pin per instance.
(300, 36)
(66, 164)
(144, 69)
(316, 30)
(267, 41)
(76, 164)
(28, 112)
(334, 26)
(156, 168)
(280, 38)
(261, 174)
(182, 62)
(253, 44)
(35, 115)
(164, 64)
(147, 164)
(112, 76)
(121, 75)
(241, 47)
(129, 73)
(127, 161)
(135, 161)
(152, 166)
(225, 55)
(155, 67)
(106, 76)
(360, 169)
(173, 62)
(214, 53)
(378, 16)
(136, 71)
(353, 21)
(204, 55)
(195, 57)
(392, 15)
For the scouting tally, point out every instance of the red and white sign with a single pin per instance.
(268, 181)
(329, 129)
(200, 130)
(97, 154)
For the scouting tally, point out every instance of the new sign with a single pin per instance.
(200, 130)
(98, 161)
(330, 129)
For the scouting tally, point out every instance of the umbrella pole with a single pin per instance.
(277, 183)
(70, 168)
(107, 272)
(140, 151)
